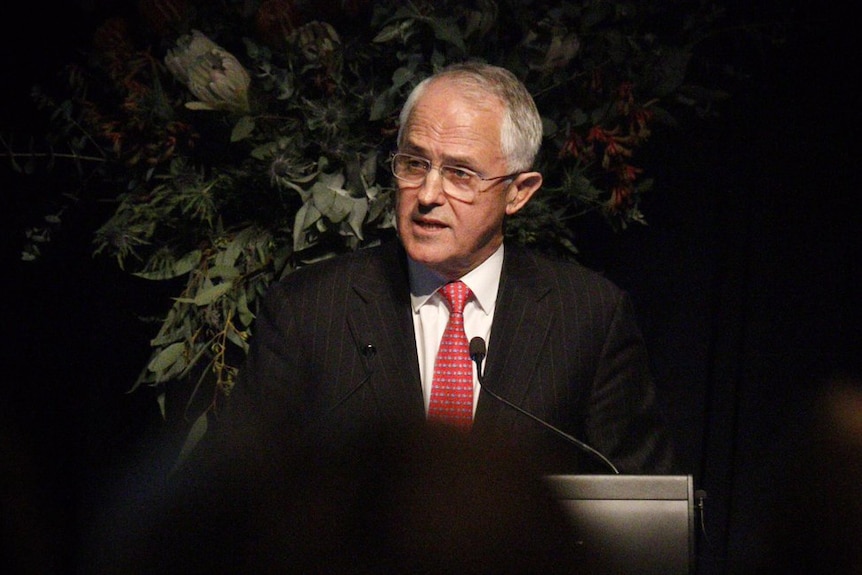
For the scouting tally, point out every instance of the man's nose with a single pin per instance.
(431, 191)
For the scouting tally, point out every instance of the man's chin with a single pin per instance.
(434, 256)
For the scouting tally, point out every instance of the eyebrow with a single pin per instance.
(454, 161)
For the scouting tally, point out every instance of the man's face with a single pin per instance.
(449, 236)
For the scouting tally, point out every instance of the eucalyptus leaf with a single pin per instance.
(358, 212)
(178, 268)
(391, 32)
(306, 218)
(187, 263)
(402, 75)
(236, 338)
(210, 294)
(333, 204)
(369, 168)
(167, 357)
(448, 31)
(227, 272)
(237, 246)
(264, 151)
(242, 129)
(381, 105)
(245, 314)
(196, 433)
(199, 106)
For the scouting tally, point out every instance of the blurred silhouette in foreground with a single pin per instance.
(817, 525)
(421, 504)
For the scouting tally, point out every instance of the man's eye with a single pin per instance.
(416, 165)
(458, 173)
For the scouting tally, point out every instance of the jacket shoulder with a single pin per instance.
(543, 268)
(342, 268)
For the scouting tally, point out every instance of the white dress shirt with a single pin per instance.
(431, 313)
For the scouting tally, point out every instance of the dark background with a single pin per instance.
(746, 281)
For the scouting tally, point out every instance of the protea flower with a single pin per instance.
(210, 72)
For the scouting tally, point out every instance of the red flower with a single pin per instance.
(628, 173)
(640, 120)
(621, 198)
(599, 134)
(575, 147)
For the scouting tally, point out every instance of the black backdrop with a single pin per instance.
(746, 281)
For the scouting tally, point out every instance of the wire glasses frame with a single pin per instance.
(459, 183)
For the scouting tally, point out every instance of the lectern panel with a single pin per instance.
(638, 524)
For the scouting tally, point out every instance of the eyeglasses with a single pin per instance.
(458, 183)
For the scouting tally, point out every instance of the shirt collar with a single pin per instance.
(483, 281)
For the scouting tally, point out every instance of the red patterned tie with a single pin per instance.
(452, 388)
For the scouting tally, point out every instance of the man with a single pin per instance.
(344, 350)
(336, 451)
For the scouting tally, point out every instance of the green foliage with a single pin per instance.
(241, 140)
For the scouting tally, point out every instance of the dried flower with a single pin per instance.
(211, 73)
(564, 46)
(321, 47)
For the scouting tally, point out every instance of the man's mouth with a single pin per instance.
(429, 225)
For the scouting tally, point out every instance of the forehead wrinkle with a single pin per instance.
(460, 144)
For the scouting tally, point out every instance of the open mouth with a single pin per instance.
(426, 225)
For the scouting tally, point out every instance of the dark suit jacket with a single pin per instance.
(333, 362)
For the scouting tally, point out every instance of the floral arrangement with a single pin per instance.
(240, 140)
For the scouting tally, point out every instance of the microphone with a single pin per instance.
(478, 351)
(368, 352)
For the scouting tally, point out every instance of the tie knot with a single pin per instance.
(456, 293)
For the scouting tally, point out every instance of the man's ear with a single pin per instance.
(521, 190)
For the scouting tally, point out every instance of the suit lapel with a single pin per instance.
(379, 314)
(522, 321)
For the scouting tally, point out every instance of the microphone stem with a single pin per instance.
(580, 444)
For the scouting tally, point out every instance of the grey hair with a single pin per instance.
(521, 124)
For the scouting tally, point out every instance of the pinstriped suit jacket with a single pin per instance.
(564, 346)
